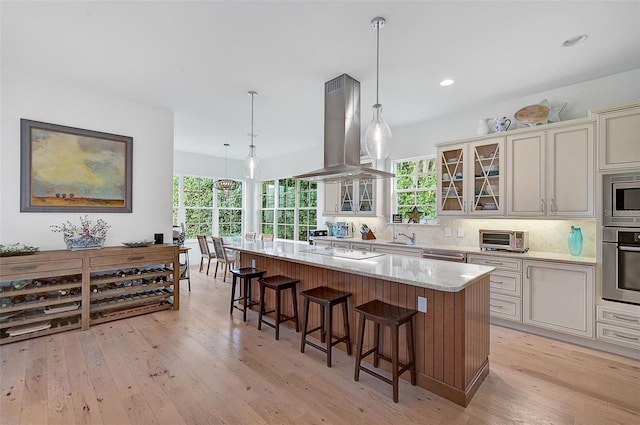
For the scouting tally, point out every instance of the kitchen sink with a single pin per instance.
(400, 242)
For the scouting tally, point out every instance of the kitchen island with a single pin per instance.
(452, 337)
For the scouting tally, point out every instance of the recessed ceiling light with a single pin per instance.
(576, 39)
(446, 83)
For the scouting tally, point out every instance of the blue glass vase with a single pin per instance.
(575, 241)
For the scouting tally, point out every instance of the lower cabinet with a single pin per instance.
(618, 327)
(322, 242)
(505, 286)
(559, 297)
(55, 291)
(411, 252)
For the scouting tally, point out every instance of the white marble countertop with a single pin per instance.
(529, 255)
(433, 274)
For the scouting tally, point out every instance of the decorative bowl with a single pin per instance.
(139, 244)
(17, 249)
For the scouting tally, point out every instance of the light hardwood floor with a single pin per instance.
(199, 366)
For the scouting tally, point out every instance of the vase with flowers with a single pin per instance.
(85, 236)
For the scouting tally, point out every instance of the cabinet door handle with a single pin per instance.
(495, 306)
(141, 257)
(628, 338)
(493, 263)
(541, 205)
(499, 282)
(22, 268)
(528, 272)
(552, 205)
(625, 319)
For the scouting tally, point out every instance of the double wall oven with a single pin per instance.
(621, 238)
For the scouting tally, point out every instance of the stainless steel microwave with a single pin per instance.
(621, 200)
(504, 240)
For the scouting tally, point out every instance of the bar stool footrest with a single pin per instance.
(377, 375)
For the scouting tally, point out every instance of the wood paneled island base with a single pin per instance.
(452, 337)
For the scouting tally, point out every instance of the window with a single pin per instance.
(415, 186)
(203, 209)
(290, 211)
(230, 212)
(307, 208)
(197, 195)
(286, 208)
(176, 200)
(267, 206)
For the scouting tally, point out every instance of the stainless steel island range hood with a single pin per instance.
(342, 135)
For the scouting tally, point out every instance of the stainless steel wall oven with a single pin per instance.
(621, 264)
(621, 238)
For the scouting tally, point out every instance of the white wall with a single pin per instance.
(150, 126)
(420, 138)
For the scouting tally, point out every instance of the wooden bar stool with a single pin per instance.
(327, 298)
(245, 274)
(278, 283)
(381, 313)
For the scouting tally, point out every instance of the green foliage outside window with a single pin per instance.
(416, 185)
(287, 205)
(197, 196)
(286, 193)
(267, 194)
(230, 212)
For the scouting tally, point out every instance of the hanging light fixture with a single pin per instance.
(251, 165)
(378, 135)
(226, 184)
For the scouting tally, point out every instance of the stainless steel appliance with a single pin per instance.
(621, 264)
(438, 254)
(621, 200)
(504, 240)
(342, 135)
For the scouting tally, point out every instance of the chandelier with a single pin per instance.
(226, 184)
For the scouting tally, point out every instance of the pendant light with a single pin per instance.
(251, 165)
(226, 184)
(378, 135)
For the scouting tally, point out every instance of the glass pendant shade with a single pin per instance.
(251, 165)
(378, 135)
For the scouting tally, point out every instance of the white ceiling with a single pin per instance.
(200, 58)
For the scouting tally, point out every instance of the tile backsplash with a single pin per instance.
(544, 235)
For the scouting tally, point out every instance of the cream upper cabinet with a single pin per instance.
(571, 171)
(551, 172)
(331, 198)
(525, 173)
(559, 296)
(355, 197)
(618, 137)
(470, 178)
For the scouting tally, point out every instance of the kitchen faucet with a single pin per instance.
(412, 238)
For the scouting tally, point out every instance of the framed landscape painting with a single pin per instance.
(67, 169)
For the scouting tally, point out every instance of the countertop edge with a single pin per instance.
(529, 255)
(482, 270)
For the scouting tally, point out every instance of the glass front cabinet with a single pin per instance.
(350, 197)
(470, 178)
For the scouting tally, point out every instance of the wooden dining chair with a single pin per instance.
(266, 237)
(223, 256)
(205, 252)
(250, 235)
